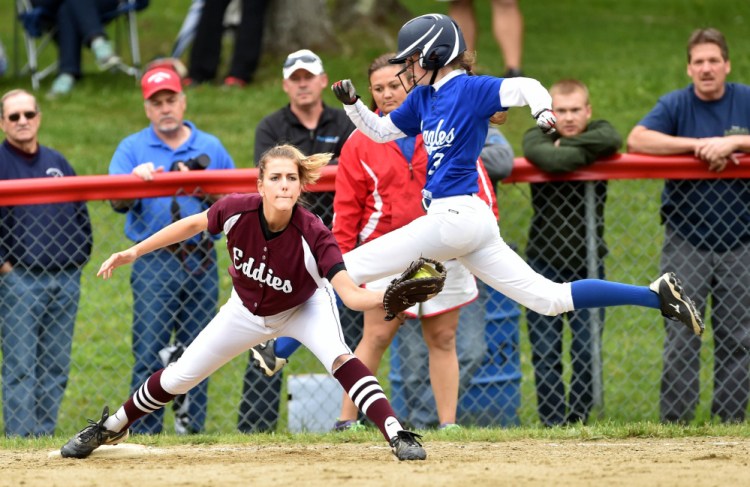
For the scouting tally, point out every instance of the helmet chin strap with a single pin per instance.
(434, 75)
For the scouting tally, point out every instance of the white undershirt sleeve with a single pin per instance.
(379, 129)
(518, 92)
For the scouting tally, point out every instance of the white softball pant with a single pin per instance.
(462, 228)
(234, 330)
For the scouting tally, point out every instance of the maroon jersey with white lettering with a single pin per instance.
(271, 276)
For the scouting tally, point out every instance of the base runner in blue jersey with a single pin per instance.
(450, 108)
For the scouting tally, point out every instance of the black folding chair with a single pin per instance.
(37, 26)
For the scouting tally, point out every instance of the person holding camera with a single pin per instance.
(175, 289)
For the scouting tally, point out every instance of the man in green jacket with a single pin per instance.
(557, 247)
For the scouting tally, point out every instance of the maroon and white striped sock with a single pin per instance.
(364, 389)
(147, 399)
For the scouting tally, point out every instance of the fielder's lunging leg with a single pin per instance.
(364, 390)
(356, 379)
(111, 430)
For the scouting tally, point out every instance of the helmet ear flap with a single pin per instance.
(434, 60)
(429, 62)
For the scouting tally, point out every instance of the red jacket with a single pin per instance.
(378, 191)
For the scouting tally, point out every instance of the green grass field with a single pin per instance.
(628, 53)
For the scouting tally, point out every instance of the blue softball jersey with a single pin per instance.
(452, 117)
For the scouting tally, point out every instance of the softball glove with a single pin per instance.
(422, 280)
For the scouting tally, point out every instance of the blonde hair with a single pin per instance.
(568, 86)
(309, 166)
(465, 61)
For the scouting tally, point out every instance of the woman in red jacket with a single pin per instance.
(378, 189)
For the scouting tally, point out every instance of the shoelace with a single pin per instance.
(409, 437)
(94, 428)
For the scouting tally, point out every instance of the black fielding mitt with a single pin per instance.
(422, 280)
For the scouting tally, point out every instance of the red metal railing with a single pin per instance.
(56, 190)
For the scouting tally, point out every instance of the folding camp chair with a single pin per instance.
(38, 30)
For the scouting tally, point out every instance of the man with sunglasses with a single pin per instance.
(42, 251)
(313, 127)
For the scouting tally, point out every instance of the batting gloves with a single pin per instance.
(345, 92)
(546, 120)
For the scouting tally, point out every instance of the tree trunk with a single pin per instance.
(369, 12)
(298, 24)
(310, 24)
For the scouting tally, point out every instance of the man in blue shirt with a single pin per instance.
(42, 250)
(175, 290)
(707, 227)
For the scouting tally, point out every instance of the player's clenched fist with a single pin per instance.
(546, 120)
(345, 92)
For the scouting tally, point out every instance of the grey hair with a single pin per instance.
(14, 93)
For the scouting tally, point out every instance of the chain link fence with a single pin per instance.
(614, 360)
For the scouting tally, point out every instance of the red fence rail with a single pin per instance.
(56, 190)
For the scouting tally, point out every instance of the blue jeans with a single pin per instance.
(724, 277)
(174, 293)
(37, 316)
(546, 337)
(78, 22)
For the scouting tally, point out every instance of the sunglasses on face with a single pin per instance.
(15, 117)
(305, 59)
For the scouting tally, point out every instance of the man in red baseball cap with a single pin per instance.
(159, 79)
(175, 292)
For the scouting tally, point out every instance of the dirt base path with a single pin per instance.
(642, 462)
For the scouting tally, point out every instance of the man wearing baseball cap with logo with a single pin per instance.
(313, 127)
(175, 290)
(306, 122)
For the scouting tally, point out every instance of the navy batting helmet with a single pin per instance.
(436, 36)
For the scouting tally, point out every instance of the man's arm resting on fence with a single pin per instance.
(716, 151)
(646, 141)
(557, 154)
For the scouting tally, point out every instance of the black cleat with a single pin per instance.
(406, 446)
(92, 437)
(265, 360)
(675, 305)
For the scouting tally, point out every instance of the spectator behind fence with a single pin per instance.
(557, 248)
(42, 250)
(248, 39)
(378, 189)
(175, 289)
(79, 23)
(313, 127)
(507, 27)
(707, 227)
(471, 346)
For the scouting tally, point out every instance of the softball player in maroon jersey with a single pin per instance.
(285, 266)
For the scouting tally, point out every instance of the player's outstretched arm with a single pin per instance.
(171, 234)
(353, 296)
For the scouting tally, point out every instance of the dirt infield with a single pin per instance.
(680, 462)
